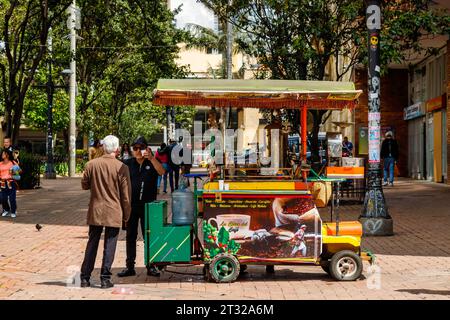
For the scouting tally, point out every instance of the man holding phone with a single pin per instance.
(144, 172)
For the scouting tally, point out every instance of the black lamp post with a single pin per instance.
(375, 218)
(50, 88)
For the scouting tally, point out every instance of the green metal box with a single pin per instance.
(163, 241)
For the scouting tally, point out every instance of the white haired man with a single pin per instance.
(109, 208)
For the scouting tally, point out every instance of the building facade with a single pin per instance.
(427, 117)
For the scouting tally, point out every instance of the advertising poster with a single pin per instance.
(363, 141)
(262, 227)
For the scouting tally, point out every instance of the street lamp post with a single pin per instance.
(50, 88)
(375, 217)
(50, 170)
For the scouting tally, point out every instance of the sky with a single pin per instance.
(192, 12)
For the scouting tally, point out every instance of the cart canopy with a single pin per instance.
(275, 94)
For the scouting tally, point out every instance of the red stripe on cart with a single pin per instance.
(257, 196)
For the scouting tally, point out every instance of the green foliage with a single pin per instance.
(24, 29)
(31, 170)
(36, 105)
(296, 39)
(119, 63)
(217, 242)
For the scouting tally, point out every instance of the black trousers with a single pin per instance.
(109, 250)
(174, 173)
(137, 214)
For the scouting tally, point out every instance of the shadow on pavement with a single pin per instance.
(194, 274)
(426, 291)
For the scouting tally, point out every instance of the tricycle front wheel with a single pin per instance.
(346, 266)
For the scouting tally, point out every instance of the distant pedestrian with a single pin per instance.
(96, 151)
(8, 145)
(144, 172)
(347, 148)
(162, 155)
(125, 152)
(109, 207)
(9, 173)
(174, 174)
(389, 154)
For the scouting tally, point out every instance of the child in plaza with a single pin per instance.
(9, 173)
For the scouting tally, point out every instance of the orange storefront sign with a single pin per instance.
(436, 103)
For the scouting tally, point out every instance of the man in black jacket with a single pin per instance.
(389, 154)
(144, 171)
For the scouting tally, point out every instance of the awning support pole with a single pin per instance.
(304, 132)
(304, 137)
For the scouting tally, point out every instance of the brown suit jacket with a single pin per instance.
(110, 185)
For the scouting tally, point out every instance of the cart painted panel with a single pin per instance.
(262, 226)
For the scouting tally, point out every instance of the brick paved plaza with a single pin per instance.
(414, 263)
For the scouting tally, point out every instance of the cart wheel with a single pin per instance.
(346, 266)
(224, 268)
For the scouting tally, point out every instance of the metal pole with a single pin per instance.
(229, 46)
(72, 93)
(167, 124)
(375, 217)
(50, 171)
(304, 132)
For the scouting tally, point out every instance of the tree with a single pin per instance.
(36, 103)
(24, 30)
(295, 39)
(126, 47)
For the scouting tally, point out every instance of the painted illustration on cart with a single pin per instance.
(262, 228)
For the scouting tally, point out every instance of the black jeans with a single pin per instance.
(174, 172)
(109, 250)
(137, 214)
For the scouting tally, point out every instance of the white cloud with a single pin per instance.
(193, 12)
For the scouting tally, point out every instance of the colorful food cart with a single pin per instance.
(268, 220)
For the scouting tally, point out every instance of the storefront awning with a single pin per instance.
(275, 94)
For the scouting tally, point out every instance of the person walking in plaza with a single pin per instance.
(174, 173)
(389, 154)
(9, 171)
(162, 155)
(347, 148)
(109, 208)
(144, 172)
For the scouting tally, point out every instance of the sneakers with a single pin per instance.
(391, 184)
(5, 213)
(13, 215)
(385, 184)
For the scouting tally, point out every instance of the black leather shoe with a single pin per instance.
(151, 271)
(106, 283)
(85, 283)
(126, 273)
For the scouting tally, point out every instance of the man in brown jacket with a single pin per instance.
(109, 207)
